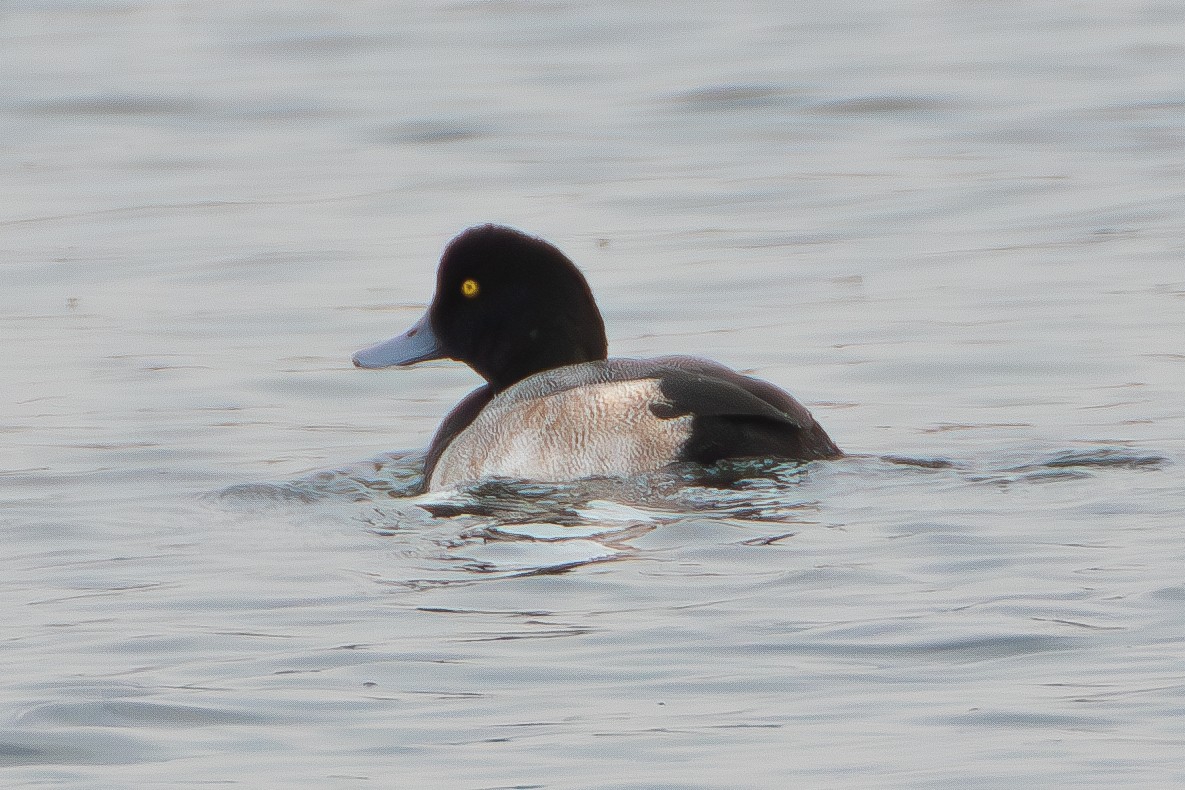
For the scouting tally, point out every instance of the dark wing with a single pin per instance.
(735, 416)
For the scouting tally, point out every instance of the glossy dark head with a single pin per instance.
(506, 304)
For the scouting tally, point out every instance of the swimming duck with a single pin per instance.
(554, 408)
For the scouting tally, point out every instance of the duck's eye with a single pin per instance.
(469, 289)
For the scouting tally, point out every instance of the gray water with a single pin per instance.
(955, 231)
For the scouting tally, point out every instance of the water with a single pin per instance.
(954, 231)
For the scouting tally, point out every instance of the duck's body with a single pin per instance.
(554, 408)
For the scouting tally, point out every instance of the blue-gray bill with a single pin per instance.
(417, 344)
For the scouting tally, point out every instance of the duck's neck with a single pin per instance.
(543, 350)
(513, 374)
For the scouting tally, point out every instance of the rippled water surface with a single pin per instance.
(954, 230)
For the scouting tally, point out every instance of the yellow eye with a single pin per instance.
(469, 289)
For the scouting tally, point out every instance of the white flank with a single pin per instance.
(595, 430)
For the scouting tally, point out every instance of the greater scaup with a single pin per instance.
(517, 311)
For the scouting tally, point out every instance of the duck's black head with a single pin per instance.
(506, 304)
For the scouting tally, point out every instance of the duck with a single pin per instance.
(554, 406)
